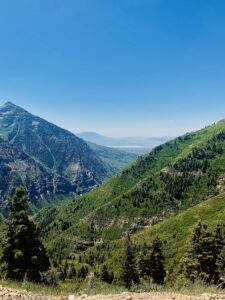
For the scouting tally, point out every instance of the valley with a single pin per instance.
(160, 198)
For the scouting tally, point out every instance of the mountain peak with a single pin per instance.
(8, 104)
(10, 107)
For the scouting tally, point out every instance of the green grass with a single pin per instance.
(96, 287)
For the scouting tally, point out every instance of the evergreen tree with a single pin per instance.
(72, 272)
(221, 268)
(83, 272)
(218, 252)
(143, 263)
(155, 261)
(104, 274)
(23, 254)
(200, 261)
(129, 273)
(65, 269)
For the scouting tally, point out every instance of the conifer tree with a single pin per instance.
(155, 262)
(23, 254)
(143, 262)
(65, 269)
(72, 272)
(221, 268)
(200, 261)
(219, 252)
(104, 274)
(83, 272)
(129, 273)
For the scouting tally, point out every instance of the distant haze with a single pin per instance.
(130, 144)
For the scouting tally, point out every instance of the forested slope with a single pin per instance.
(171, 178)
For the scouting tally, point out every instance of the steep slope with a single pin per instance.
(174, 232)
(18, 168)
(171, 178)
(116, 159)
(55, 148)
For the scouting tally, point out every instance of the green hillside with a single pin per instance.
(116, 159)
(171, 178)
(175, 233)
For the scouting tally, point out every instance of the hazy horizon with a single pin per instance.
(117, 133)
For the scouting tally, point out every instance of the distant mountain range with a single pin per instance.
(139, 145)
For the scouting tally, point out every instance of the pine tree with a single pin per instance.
(200, 261)
(72, 272)
(104, 274)
(143, 262)
(156, 262)
(219, 252)
(65, 269)
(129, 273)
(23, 254)
(83, 272)
(221, 268)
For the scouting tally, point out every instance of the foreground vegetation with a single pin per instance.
(136, 264)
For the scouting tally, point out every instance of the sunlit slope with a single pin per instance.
(173, 177)
(175, 233)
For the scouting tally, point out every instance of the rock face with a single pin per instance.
(18, 168)
(45, 158)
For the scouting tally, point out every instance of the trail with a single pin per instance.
(11, 294)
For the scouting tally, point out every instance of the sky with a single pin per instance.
(117, 67)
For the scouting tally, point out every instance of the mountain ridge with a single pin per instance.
(55, 149)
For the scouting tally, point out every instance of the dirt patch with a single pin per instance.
(10, 294)
(151, 296)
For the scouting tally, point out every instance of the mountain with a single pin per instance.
(18, 168)
(171, 178)
(57, 160)
(137, 145)
(116, 159)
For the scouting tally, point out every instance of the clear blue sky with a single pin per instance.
(118, 67)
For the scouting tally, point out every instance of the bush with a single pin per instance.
(51, 277)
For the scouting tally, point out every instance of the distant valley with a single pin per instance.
(137, 145)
